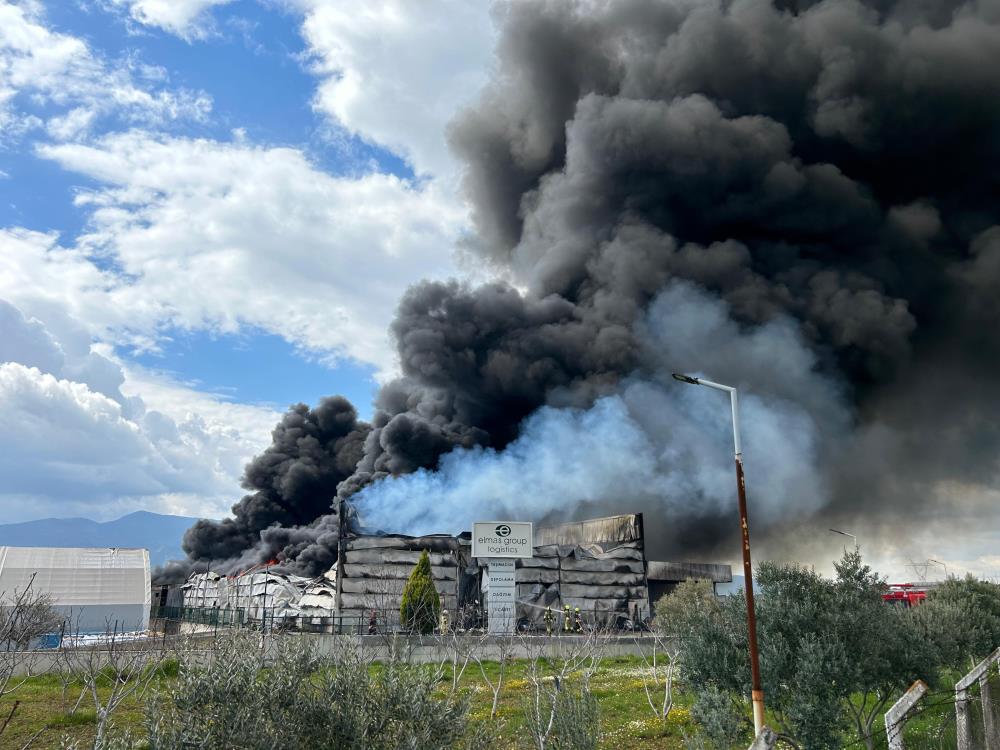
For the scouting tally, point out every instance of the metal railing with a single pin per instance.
(256, 619)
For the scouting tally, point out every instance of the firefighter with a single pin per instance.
(443, 625)
(549, 617)
(567, 620)
(372, 622)
(578, 620)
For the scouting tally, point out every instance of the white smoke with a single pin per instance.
(655, 444)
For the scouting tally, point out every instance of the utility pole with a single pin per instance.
(756, 690)
(938, 562)
(338, 596)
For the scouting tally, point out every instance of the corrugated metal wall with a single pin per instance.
(608, 530)
(376, 570)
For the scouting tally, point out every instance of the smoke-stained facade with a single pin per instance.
(802, 199)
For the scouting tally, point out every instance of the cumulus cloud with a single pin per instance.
(219, 235)
(27, 341)
(394, 72)
(76, 438)
(188, 19)
(199, 234)
(60, 285)
(55, 80)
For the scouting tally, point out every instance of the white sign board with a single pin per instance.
(502, 539)
(500, 618)
(501, 596)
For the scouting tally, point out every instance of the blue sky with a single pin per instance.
(257, 367)
(254, 69)
(208, 212)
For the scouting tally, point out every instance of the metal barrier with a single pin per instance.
(257, 619)
(977, 709)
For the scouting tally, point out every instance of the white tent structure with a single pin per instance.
(205, 590)
(97, 589)
(258, 593)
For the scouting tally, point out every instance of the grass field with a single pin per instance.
(626, 718)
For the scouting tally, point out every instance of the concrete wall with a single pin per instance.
(415, 649)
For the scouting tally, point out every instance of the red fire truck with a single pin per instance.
(906, 594)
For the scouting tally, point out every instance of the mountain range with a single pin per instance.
(160, 534)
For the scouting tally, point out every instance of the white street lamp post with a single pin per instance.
(756, 690)
(846, 533)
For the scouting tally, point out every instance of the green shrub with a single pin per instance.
(823, 643)
(420, 606)
(716, 714)
(565, 718)
(961, 619)
(287, 696)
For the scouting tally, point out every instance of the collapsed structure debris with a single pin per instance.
(254, 592)
(598, 567)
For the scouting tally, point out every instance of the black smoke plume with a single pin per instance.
(828, 169)
(290, 486)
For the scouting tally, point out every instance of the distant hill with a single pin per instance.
(160, 534)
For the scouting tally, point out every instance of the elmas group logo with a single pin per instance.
(501, 539)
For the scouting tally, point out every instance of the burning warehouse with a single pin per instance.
(599, 566)
(798, 199)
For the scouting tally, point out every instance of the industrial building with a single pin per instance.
(599, 566)
(96, 589)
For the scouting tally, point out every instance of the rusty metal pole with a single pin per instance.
(756, 690)
(338, 608)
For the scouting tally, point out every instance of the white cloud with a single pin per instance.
(62, 77)
(395, 71)
(188, 19)
(76, 436)
(215, 235)
(59, 285)
(201, 234)
(223, 435)
(27, 341)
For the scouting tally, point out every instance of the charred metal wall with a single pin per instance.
(663, 577)
(607, 530)
(607, 582)
(598, 566)
(376, 569)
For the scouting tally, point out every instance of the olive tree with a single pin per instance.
(285, 695)
(832, 654)
(886, 650)
(710, 632)
(961, 618)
